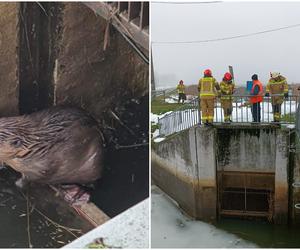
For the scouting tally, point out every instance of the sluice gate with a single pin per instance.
(246, 194)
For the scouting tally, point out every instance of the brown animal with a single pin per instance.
(54, 146)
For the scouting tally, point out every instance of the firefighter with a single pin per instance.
(181, 92)
(227, 87)
(208, 89)
(277, 88)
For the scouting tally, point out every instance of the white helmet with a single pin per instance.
(275, 74)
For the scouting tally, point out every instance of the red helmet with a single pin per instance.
(227, 76)
(180, 81)
(207, 72)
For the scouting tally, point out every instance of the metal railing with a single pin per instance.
(189, 115)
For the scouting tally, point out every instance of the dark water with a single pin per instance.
(126, 177)
(43, 234)
(263, 233)
(125, 183)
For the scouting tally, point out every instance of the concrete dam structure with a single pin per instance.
(231, 170)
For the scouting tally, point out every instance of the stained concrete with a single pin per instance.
(85, 74)
(246, 149)
(63, 61)
(184, 167)
(9, 82)
(295, 179)
(191, 158)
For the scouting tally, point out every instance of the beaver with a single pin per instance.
(59, 145)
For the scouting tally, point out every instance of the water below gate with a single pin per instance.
(52, 223)
(262, 233)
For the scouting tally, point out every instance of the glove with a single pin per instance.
(267, 94)
(286, 95)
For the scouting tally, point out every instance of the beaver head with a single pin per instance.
(56, 145)
(13, 141)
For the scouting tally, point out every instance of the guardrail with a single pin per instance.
(189, 115)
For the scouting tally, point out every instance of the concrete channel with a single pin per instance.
(70, 54)
(243, 171)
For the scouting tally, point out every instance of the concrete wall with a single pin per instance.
(9, 81)
(70, 65)
(185, 165)
(295, 191)
(89, 77)
(246, 149)
(175, 169)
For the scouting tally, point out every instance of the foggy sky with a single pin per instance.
(276, 51)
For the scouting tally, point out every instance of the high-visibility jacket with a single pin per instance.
(180, 88)
(259, 97)
(226, 90)
(277, 87)
(208, 87)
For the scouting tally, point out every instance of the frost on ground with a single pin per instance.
(172, 229)
(174, 99)
(154, 120)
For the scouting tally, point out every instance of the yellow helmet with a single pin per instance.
(275, 74)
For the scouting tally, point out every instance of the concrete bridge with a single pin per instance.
(231, 170)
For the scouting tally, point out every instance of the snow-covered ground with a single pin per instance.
(174, 99)
(170, 228)
(172, 122)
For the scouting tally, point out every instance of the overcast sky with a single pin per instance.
(276, 51)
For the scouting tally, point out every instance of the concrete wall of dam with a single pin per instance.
(196, 166)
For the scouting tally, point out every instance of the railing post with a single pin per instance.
(199, 112)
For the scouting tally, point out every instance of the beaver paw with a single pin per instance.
(21, 183)
(75, 195)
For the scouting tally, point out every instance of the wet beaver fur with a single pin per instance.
(59, 145)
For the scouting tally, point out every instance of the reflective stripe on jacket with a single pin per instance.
(208, 86)
(259, 97)
(277, 86)
(226, 90)
(180, 88)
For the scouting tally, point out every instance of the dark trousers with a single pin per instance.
(255, 110)
(181, 96)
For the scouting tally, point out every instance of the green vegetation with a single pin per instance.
(289, 118)
(159, 106)
(154, 127)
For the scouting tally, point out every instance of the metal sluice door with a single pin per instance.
(246, 194)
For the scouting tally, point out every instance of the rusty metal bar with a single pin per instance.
(243, 213)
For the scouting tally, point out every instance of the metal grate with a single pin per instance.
(243, 195)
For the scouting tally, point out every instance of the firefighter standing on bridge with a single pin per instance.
(277, 88)
(208, 89)
(181, 92)
(227, 87)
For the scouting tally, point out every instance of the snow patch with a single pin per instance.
(159, 139)
(172, 229)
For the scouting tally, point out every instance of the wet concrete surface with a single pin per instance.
(45, 210)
